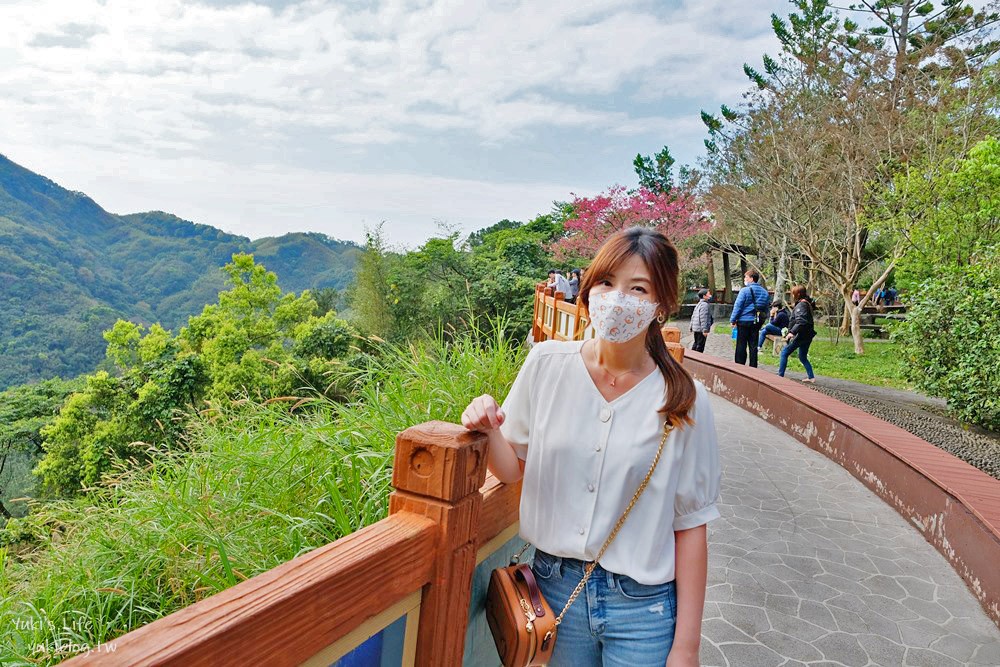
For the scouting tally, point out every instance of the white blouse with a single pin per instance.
(585, 457)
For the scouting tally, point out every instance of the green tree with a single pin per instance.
(947, 214)
(655, 173)
(855, 95)
(951, 338)
(256, 342)
(245, 340)
(24, 411)
(370, 295)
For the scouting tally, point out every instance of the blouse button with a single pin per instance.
(580, 531)
(605, 414)
(590, 487)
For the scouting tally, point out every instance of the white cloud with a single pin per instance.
(497, 68)
(172, 83)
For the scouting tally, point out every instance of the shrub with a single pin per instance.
(951, 339)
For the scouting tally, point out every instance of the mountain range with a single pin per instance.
(69, 269)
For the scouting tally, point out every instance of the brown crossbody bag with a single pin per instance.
(523, 625)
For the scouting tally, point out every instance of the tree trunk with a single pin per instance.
(726, 279)
(779, 278)
(855, 313)
(710, 266)
(846, 291)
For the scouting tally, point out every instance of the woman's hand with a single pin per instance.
(483, 414)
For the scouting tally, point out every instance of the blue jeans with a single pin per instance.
(768, 329)
(803, 347)
(614, 621)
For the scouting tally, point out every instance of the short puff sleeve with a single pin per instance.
(519, 405)
(700, 475)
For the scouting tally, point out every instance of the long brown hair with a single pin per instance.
(660, 257)
(799, 294)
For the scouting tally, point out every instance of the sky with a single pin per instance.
(262, 118)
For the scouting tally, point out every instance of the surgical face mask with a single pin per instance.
(620, 317)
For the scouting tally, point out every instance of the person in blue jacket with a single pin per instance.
(779, 320)
(749, 314)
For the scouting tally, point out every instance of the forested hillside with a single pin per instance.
(69, 270)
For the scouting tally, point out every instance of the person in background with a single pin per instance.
(890, 295)
(749, 311)
(558, 283)
(856, 296)
(574, 285)
(801, 332)
(701, 320)
(779, 320)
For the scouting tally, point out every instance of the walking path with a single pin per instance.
(923, 416)
(808, 567)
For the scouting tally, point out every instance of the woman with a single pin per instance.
(583, 452)
(801, 332)
(574, 285)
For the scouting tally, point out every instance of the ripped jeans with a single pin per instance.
(614, 621)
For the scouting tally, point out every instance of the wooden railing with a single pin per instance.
(394, 593)
(556, 319)
(408, 590)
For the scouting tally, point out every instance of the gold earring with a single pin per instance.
(661, 318)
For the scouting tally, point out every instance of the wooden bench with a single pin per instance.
(778, 343)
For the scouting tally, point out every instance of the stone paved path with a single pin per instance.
(808, 567)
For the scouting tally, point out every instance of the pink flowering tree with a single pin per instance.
(676, 214)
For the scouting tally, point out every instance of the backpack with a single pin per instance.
(760, 317)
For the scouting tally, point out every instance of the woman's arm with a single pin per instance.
(483, 414)
(501, 460)
(691, 558)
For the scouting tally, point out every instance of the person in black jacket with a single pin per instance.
(801, 332)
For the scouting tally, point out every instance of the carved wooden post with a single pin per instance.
(672, 337)
(438, 470)
(577, 329)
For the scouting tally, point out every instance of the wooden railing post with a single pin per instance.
(438, 471)
(536, 318)
(672, 337)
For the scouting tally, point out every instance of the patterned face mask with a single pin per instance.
(620, 317)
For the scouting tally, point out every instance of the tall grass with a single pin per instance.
(259, 485)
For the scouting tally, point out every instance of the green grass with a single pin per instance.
(260, 485)
(881, 365)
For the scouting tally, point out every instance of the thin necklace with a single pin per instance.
(614, 378)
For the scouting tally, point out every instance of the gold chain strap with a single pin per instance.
(589, 567)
